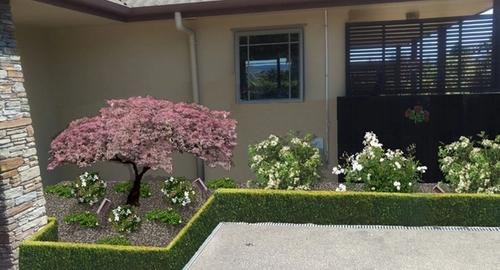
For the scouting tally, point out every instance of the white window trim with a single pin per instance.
(269, 30)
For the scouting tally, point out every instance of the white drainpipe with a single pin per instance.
(192, 53)
(200, 168)
(327, 91)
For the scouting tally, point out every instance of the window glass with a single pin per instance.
(270, 65)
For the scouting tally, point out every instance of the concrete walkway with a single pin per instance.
(234, 246)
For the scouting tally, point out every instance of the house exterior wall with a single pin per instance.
(90, 64)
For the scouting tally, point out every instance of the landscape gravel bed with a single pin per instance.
(150, 233)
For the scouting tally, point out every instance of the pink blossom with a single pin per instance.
(145, 132)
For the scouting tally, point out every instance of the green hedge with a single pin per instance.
(264, 206)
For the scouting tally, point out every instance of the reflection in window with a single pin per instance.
(270, 65)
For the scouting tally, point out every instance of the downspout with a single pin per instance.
(200, 167)
(327, 91)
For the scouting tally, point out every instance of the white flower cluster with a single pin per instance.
(341, 188)
(379, 169)
(179, 191)
(89, 188)
(124, 219)
(370, 139)
(472, 166)
(285, 163)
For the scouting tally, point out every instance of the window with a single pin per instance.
(269, 65)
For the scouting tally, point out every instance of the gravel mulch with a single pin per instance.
(150, 233)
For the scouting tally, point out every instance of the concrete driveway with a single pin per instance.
(235, 246)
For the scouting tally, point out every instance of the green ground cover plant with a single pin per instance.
(224, 182)
(64, 190)
(84, 219)
(168, 216)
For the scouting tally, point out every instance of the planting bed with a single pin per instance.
(150, 233)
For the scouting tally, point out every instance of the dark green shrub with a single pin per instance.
(114, 240)
(169, 216)
(85, 219)
(221, 183)
(125, 187)
(64, 190)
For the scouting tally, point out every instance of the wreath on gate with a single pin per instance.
(417, 114)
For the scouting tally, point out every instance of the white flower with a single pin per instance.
(373, 188)
(422, 169)
(337, 170)
(397, 184)
(341, 188)
(356, 166)
(397, 165)
(371, 140)
(257, 158)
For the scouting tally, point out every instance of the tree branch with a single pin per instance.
(134, 166)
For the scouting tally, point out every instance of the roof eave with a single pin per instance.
(119, 12)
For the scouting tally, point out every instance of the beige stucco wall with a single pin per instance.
(36, 60)
(88, 64)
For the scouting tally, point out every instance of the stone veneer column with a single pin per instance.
(22, 205)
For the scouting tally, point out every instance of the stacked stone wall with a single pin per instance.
(22, 205)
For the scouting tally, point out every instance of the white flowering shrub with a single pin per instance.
(285, 162)
(178, 190)
(381, 170)
(89, 188)
(123, 219)
(472, 166)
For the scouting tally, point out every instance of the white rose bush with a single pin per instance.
(124, 219)
(89, 188)
(472, 166)
(381, 170)
(178, 190)
(289, 162)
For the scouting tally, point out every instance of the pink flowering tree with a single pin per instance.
(143, 132)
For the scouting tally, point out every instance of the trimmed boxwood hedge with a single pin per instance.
(226, 205)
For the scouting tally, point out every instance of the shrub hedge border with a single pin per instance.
(244, 205)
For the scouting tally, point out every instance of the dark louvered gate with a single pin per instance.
(442, 55)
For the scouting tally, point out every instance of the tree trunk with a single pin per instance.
(135, 191)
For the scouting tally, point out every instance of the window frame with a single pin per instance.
(299, 29)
